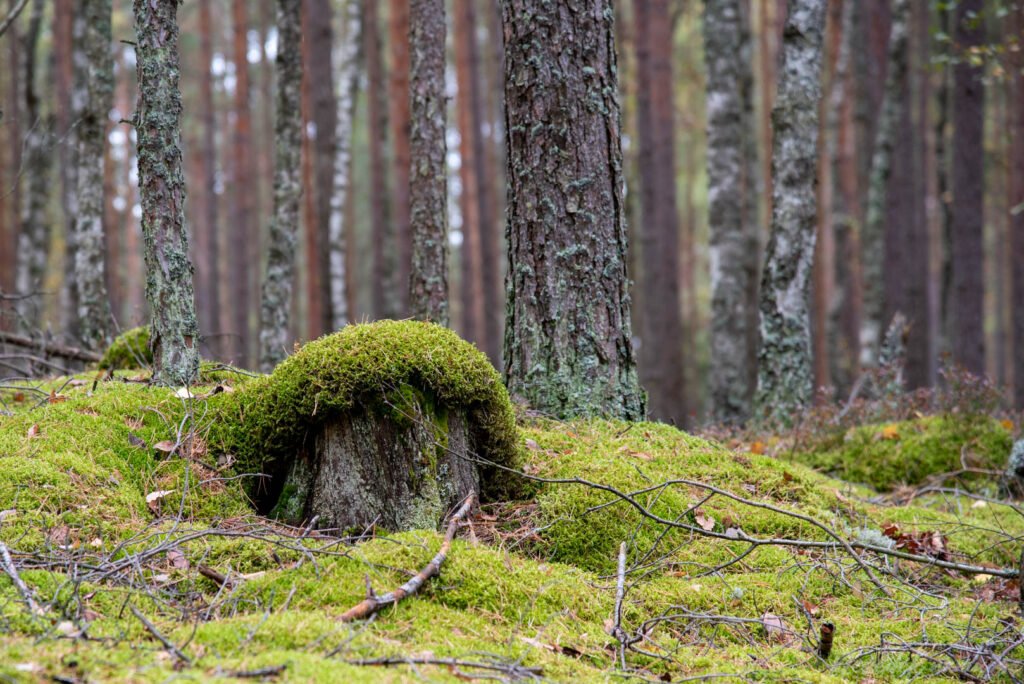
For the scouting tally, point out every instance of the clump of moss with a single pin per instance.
(264, 422)
(887, 455)
(130, 349)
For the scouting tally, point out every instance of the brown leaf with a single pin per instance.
(705, 521)
(774, 627)
(19, 397)
(757, 447)
(166, 446)
(153, 499)
(33, 431)
(55, 398)
(177, 559)
(811, 608)
(136, 441)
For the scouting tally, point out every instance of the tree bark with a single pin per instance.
(346, 65)
(428, 189)
(90, 258)
(968, 190)
(280, 274)
(733, 221)
(12, 125)
(385, 289)
(1016, 25)
(206, 230)
(399, 118)
(785, 380)
(661, 354)
(174, 330)
(568, 346)
(70, 320)
(35, 236)
(243, 234)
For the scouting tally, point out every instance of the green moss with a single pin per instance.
(130, 349)
(365, 365)
(886, 456)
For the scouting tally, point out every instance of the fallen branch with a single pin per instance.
(53, 348)
(19, 584)
(513, 670)
(373, 603)
(168, 644)
(620, 593)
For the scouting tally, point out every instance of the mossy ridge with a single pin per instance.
(887, 455)
(130, 349)
(362, 365)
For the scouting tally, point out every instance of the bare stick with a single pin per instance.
(620, 593)
(53, 348)
(168, 644)
(371, 604)
(19, 584)
(12, 15)
(512, 669)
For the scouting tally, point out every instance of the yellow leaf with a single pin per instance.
(757, 448)
(890, 432)
(1008, 424)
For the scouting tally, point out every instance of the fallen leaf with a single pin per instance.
(68, 629)
(705, 521)
(166, 446)
(177, 559)
(811, 608)
(890, 432)
(184, 393)
(136, 441)
(1008, 424)
(55, 398)
(19, 397)
(96, 543)
(979, 504)
(757, 448)
(153, 499)
(532, 445)
(33, 431)
(774, 627)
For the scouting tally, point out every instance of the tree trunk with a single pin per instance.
(478, 218)
(785, 381)
(568, 346)
(206, 232)
(428, 189)
(12, 125)
(398, 117)
(346, 65)
(1016, 186)
(34, 240)
(70, 320)
(280, 276)
(243, 233)
(893, 100)
(968, 191)
(90, 260)
(174, 331)
(733, 222)
(661, 354)
(385, 289)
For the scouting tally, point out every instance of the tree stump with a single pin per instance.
(398, 466)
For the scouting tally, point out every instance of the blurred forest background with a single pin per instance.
(938, 236)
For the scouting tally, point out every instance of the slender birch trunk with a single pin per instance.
(94, 311)
(175, 332)
(280, 275)
(428, 181)
(785, 375)
(347, 56)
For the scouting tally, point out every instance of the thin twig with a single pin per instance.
(12, 572)
(12, 15)
(168, 644)
(620, 593)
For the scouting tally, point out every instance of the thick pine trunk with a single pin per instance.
(90, 262)
(568, 347)
(162, 188)
(346, 58)
(731, 160)
(280, 275)
(243, 232)
(428, 189)
(661, 354)
(968, 191)
(785, 376)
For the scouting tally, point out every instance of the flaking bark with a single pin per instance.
(428, 186)
(732, 163)
(280, 275)
(347, 56)
(785, 376)
(94, 312)
(162, 192)
(568, 346)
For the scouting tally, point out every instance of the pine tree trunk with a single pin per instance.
(428, 189)
(280, 275)
(90, 267)
(873, 243)
(968, 191)
(1016, 25)
(785, 381)
(568, 347)
(385, 289)
(733, 224)
(661, 354)
(398, 117)
(346, 65)
(70, 320)
(34, 239)
(243, 232)
(206, 231)
(162, 188)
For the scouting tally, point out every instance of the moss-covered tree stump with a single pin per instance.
(389, 424)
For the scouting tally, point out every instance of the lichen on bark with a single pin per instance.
(785, 377)
(280, 275)
(428, 187)
(568, 346)
(174, 328)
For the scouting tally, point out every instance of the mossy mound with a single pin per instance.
(130, 349)
(888, 455)
(369, 365)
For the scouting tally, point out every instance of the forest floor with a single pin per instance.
(131, 560)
